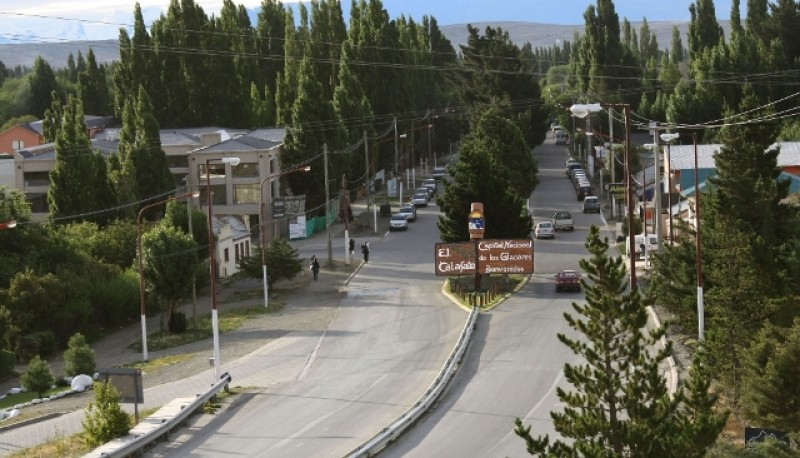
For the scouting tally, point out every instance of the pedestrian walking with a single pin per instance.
(365, 251)
(314, 267)
(352, 247)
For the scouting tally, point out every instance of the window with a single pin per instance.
(37, 178)
(227, 255)
(246, 193)
(219, 196)
(38, 202)
(17, 144)
(245, 169)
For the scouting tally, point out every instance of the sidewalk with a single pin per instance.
(308, 308)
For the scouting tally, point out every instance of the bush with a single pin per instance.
(116, 299)
(79, 357)
(41, 343)
(7, 361)
(37, 378)
(177, 323)
(105, 420)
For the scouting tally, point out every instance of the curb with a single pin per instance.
(31, 421)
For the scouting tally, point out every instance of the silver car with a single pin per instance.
(398, 222)
(420, 199)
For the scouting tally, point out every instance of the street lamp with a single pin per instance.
(656, 195)
(8, 224)
(263, 218)
(212, 268)
(668, 139)
(142, 302)
(583, 110)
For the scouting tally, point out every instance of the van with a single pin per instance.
(584, 189)
(561, 137)
(639, 244)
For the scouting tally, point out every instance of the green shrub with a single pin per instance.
(37, 378)
(177, 323)
(105, 420)
(116, 299)
(79, 357)
(7, 361)
(41, 343)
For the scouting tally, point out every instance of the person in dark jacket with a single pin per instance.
(352, 247)
(365, 251)
(315, 267)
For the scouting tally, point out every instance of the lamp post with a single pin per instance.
(583, 110)
(212, 268)
(656, 196)
(263, 218)
(142, 302)
(668, 138)
(698, 252)
(8, 224)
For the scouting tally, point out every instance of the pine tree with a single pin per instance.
(620, 405)
(78, 357)
(771, 397)
(479, 176)
(153, 178)
(37, 377)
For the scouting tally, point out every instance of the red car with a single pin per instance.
(568, 280)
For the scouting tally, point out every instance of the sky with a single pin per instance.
(101, 19)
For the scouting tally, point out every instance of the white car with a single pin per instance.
(439, 173)
(420, 199)
(545, 230)
(398, 222)
(409, 211)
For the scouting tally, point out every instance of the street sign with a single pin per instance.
(455, 258)
(616, 189)
(485, 256)
(514, 256)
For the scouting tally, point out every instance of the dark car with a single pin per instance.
(584, 190)
(591, 204)
(568, 280)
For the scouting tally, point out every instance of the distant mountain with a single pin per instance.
(538, 35)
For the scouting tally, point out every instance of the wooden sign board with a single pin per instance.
(505, 256)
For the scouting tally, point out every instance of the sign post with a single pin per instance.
(476, 226)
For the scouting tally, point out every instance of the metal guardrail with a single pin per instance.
(380, 440)
(134, 443)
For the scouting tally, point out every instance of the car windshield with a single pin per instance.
(562, 215)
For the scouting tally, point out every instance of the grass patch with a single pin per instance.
(68, 446)
(20, 398)
(159, 363)
(229, 320)
(62, 446)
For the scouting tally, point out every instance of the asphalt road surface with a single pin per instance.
(515, 361)
(323, 394)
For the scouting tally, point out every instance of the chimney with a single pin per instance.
(210, 138)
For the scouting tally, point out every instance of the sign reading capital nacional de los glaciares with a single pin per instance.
(502, 256)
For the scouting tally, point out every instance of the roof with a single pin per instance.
(682, 156)
(243, 143)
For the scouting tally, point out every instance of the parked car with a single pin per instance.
(420, 199)
(439, 173)
(398, 222)
(425, 190)
(430, 183)
(563, 221)
(409, 211)
(568, 280)
(561, 137)
(591, 204)
(572, 166)
(544, 230)
(583, 190)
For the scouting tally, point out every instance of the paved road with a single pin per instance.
(515, 361)
(393, 333)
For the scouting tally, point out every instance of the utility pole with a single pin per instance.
(191, 233)
(346, 218)
(396, 154)
(328, 206)
(366, 178)
(613, 162)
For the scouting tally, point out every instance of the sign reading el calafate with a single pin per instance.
(506, 256)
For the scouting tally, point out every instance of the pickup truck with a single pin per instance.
(562, 221)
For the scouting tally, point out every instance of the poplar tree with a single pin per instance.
(42, 83)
